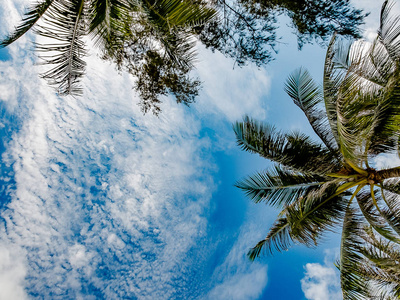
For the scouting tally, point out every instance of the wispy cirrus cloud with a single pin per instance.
(236, 277)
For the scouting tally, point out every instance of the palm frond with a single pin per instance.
(385, 134)
(278, 239)
(180, 47)
(384, 100)
(381, 223)
(65, 25)
(177, 13)
(331, 81)
(319, 211)
(279, 186)
(307, 96)
(295, 151)
(353, 87)
(362, 92)
(389, 31)
(304, 220)
(173, 22)
(391, 212)
(354, 286)
(379, 250)
(392, 185)
(110, 20)
(28, 21)
(381, 263)
(352, 121)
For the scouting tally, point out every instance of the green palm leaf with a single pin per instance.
(109, 20)
(343, 79)
(66, 26)
(29, 20)
(391, 212)
(304, 220)
(363, 78)
(332, 78)
(392, 185)
(353, 284)
(168, 14)
(389, 31)
(295, 151)
(277, 239)
(319, 211)
(307, 95)
(381, 263)
(278, 186)
(383, 224)
(173, 21)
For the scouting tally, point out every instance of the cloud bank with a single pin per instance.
(103, 202)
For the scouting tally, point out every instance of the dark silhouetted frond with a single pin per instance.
(277, 239)
(28, 21)
(65, 26)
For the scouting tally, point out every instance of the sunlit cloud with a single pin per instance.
(321, 281)
(107, 202)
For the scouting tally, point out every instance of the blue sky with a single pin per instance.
(101, 202)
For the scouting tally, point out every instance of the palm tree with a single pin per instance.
(164, 27)
(319, 186)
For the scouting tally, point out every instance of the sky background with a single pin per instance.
(99, 201)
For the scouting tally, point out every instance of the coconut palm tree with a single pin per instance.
(320, 185)
(164, 27)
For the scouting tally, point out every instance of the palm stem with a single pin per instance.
(374, 199)
(383, 195)
(355, 167)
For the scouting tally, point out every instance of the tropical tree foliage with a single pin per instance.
(247, 32)
(151, 39)
(154, 40)
(320, 185)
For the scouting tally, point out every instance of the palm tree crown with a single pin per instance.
(318, 186)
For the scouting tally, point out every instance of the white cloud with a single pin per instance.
(12, 274)
(383, 161)
(242, 286)
(321, 282)
(230, 92)
(107, 201)
(237, 278)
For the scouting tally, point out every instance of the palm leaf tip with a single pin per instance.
(254, 253)
(278, 239)
(30, 18)
(302, 89)
(66, 27)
